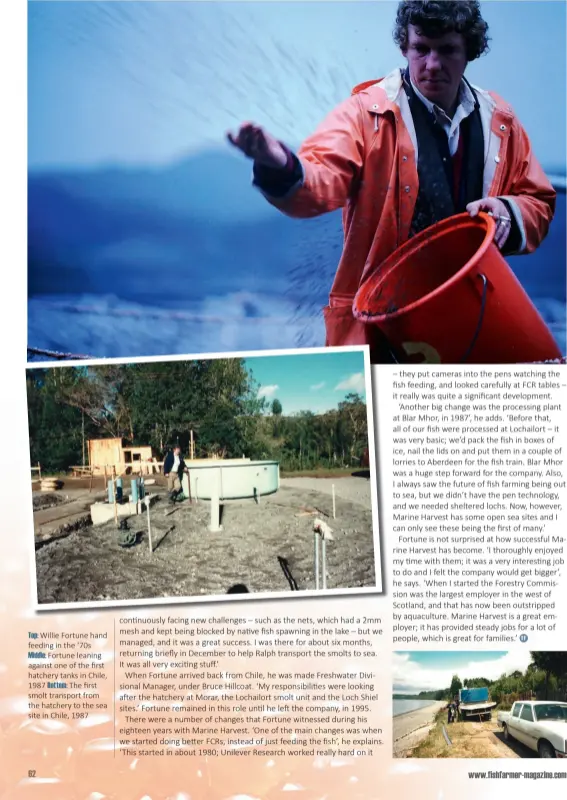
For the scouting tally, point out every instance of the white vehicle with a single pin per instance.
(480, 711)
(540, 725)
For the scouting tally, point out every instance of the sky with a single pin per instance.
(150, 82)
(414, 672)
(314, 382)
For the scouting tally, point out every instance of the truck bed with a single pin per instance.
(477, 706)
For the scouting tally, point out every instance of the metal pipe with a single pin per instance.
(316, 558)
(215, 509)
(324, 560)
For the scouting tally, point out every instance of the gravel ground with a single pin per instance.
(268, 547)
(49, 500)
(351, 489)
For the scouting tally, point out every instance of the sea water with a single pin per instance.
(403, 706)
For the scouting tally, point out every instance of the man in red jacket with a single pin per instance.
(407, 151)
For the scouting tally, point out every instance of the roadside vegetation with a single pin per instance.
(468, 740)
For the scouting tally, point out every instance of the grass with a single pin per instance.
(469, 740)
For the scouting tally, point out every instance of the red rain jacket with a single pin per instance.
(362, 158)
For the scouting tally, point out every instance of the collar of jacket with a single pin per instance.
(386, 95)
(382, 94)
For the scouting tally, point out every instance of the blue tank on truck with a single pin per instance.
(476, 695)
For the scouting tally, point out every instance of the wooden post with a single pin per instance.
(91, 483)
(192, 445)
(114, 496)
(149, 525)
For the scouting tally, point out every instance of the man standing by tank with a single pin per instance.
(405, 152)
(173, 468)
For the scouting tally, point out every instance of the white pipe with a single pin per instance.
(316, 558)
(196, 490)
(324, 561)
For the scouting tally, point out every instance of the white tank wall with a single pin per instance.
(235, 480)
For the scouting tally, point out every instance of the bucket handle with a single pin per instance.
(480, 317)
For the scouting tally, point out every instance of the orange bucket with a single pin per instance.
(448, 296)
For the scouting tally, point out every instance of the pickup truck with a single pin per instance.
(541, 725)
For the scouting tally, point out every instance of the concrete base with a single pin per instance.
(104, 512)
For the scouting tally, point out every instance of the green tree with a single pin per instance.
(456, 686)
(55, 429)
(553, 663)
(352, 427)
(476, 683)
(159, 404)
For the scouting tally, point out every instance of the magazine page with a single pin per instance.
(284, 476)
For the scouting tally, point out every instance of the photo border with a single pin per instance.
(378, 588)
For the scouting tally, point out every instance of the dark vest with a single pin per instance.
(437, 197)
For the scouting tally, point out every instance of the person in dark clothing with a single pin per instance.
(451, 712)
(173, 469)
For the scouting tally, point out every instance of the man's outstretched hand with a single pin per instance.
(258, 144)
(497, 209)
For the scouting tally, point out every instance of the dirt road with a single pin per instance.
(59, 513)
(351, 489)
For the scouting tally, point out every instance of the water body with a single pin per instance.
(110, 276)
(404, 706)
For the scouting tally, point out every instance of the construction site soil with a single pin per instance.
(268, 547)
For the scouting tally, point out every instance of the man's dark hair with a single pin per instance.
(435, 19)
